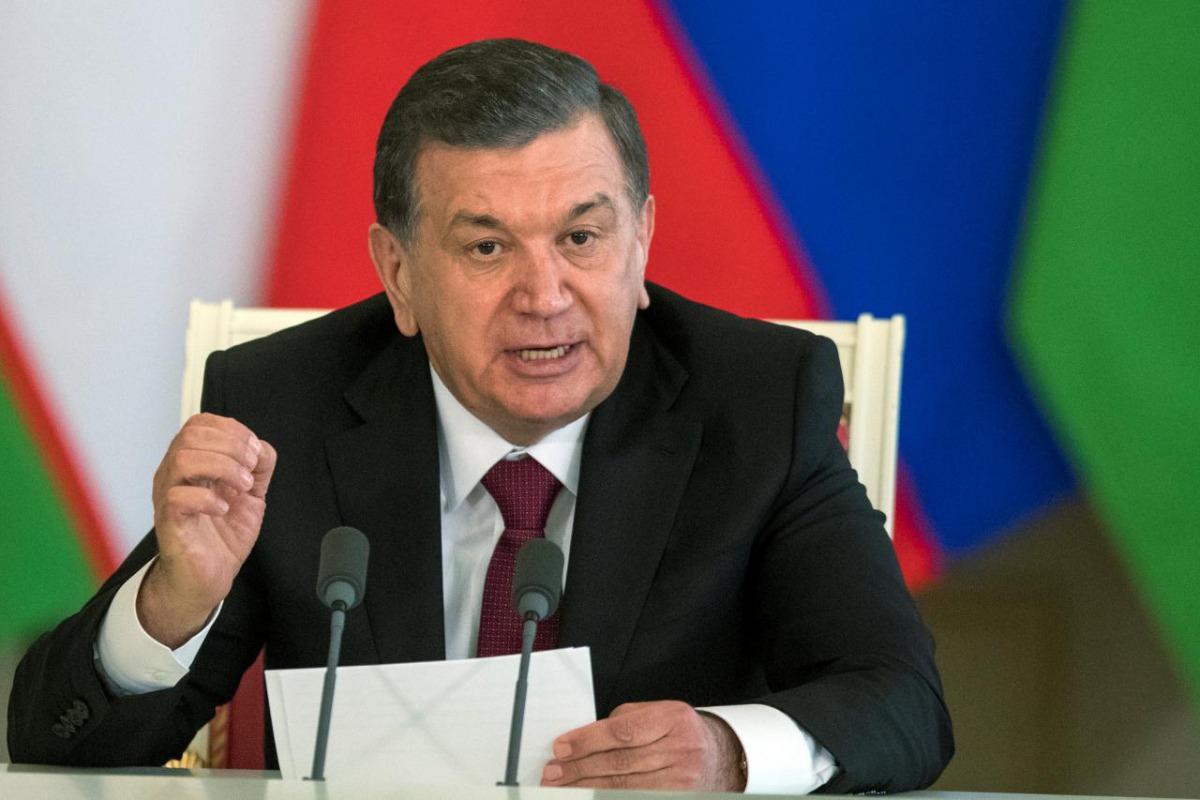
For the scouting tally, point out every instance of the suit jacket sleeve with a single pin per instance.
(842, 642)
(725, 552)
(60, 711)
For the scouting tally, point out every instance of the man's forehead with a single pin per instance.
(566, 172)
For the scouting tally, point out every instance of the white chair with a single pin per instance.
(870, 351)
(219, 326)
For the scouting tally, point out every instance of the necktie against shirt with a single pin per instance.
(524, 491)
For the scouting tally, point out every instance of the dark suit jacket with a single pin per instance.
(723, 549)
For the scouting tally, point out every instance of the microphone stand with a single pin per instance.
(528, 633)
(337, 623)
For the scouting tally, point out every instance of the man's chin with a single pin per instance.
(529, 431)
(526, 425)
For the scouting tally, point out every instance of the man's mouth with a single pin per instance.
(544, 354)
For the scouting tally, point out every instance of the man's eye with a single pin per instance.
(580, 238)
(486, 248)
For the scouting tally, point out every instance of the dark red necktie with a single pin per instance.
(524, 490)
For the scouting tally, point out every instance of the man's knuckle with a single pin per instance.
(683, 714)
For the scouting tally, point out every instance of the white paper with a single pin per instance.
(431, 722)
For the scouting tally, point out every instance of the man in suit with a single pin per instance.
(721, 553)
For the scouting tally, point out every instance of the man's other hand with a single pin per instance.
(659, 745)
(209, 497)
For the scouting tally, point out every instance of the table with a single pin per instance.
(20, 781)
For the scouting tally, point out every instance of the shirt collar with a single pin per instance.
(468, 448)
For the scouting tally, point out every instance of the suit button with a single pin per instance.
(60, 731)
(81, 710)
(73, 718)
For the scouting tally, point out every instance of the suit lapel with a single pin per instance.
(637, 458)
(385, 474)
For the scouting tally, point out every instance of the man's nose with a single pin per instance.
(540, 283)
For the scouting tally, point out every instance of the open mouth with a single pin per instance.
(544, 354)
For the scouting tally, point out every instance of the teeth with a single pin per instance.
(535, 355)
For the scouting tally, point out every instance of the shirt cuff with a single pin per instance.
(781, 757)
(131, 661)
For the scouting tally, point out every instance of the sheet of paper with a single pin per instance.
(431, 722)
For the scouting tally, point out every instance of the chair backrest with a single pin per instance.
(870, 351)
(217, 326)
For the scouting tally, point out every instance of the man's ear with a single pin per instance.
(645, 233)
(393, 266)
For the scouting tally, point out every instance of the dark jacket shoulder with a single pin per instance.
(336, 344)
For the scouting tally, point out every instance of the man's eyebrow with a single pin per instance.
(488, 221)
(476, 220)
(599, 201)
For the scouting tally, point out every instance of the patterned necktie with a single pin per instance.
(524, 490)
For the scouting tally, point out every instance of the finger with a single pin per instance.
(231, 438)
(187, 501)
(218, 422)
(626, 708)
(630, 728)
(233, 497)
(205, 467)
(219, 434)
(623, 761)
(264, 468)
(663, 779)
(240, 448)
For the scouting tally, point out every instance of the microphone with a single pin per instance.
(341, 583)
(342, 576)
(537, 581)
(537, 588)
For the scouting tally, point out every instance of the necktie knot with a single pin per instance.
(524, 490)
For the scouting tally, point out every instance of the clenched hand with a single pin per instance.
(209, 497)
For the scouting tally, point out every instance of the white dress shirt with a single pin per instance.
(781, 757)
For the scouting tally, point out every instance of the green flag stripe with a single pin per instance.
(44, 572)
(53, 549)
(1105, 304)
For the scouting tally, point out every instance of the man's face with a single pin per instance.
(524, 276)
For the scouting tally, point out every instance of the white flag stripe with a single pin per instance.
(142, 143)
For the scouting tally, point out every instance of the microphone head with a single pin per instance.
(342, 575)
(537, 580)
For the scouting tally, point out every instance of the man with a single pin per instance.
(721, 553)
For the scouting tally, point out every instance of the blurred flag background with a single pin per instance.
(1021, 179)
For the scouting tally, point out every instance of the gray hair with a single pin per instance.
(495, 93)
